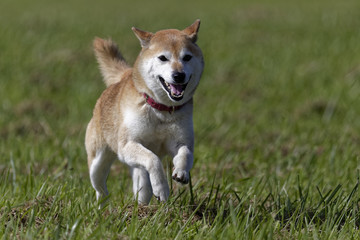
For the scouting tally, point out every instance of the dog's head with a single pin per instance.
(170, 63)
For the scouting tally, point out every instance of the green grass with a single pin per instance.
(276, 119)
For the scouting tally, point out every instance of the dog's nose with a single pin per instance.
(178, 77)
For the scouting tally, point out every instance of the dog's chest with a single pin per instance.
(149, 130)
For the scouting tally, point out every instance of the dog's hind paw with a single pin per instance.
(180, 176)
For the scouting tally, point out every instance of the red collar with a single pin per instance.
(161, 107)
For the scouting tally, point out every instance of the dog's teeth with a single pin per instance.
(180, 95)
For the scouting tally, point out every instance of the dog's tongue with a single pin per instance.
(176, 89)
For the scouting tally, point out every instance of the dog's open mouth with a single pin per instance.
(175, 91)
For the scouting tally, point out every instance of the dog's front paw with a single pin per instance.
(180, 176)
(161, 192)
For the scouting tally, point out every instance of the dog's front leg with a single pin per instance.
(183, 162)
(137, 156)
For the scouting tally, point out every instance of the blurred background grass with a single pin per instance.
(279, 98)
(281, 78)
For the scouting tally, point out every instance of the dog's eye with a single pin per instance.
(163, 58)
(187, 58)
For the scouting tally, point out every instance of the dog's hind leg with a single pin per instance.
(99, 171)
(99, 159)
(141, 185)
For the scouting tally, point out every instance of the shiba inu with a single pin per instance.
(145, 112)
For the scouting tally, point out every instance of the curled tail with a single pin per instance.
(112, 63)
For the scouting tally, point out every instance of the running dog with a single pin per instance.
(146, 111)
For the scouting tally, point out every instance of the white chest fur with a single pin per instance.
(151, 130)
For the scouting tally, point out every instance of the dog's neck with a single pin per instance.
(161, 107)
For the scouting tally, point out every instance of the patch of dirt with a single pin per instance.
(22, 213)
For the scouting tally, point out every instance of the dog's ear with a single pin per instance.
(192, 30)
(143, 36)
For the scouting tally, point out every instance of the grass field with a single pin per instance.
(276, 118)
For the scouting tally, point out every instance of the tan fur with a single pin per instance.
(112, 64)
(125, 126)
